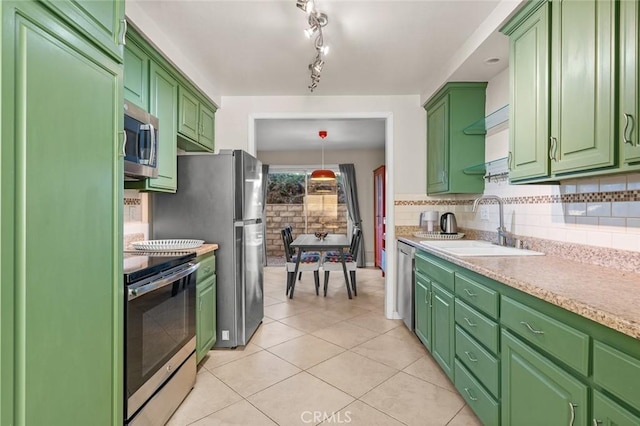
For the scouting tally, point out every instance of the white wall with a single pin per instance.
(408, 125)
(364, 161)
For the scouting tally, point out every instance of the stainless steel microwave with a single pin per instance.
(140, 143)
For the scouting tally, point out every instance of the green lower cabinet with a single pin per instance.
(442, 343)
(61, 292)
(480, 362)
(535, 391)
(422, 301)
(608, 413)
(481, 402)
(205, 317)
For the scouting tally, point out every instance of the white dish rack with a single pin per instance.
(166, 245)
(438, 236)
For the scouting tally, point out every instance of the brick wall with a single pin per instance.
(280, 215)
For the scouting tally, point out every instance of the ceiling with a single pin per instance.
(392, 47)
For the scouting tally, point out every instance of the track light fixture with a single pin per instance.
(317, 20)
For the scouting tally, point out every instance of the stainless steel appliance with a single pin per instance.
(160, 336)
(219, 200)
(406, 275)
(428, 220)
(448, 224)
(140, 143)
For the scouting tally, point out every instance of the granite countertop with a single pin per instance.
(608, 296)
(204, 249)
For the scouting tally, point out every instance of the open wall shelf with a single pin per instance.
(492, 120)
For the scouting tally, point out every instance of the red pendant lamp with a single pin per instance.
(323, 174)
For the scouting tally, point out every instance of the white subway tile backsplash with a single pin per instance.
(585, 221)
(617, 222)
(633, 181)
(570, 188)
(626, 209)
(576, 236)
(576, 209)
(634, 224)
(613, 183)
(598, 209)
(588, 185)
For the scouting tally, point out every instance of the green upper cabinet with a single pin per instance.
(449, 149)
(136, 75)
(100, 21)
(62, 295)
(529, 105)
(629, 121)
(195, 123)
(583, 37)
(535, 391)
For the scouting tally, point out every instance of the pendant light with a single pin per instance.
(323, 174)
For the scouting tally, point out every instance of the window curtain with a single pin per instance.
(348, 172)
(265, 190)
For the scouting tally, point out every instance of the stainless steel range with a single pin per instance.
(160, 335)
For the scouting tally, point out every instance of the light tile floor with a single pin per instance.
(317, 360)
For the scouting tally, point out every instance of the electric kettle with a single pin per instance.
(448, 223)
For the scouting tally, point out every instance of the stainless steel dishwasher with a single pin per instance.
(406, 272)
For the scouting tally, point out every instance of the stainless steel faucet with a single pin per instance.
(502, 233)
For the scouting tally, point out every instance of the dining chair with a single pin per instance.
(332, 262)
(309, 261)
(289, 233)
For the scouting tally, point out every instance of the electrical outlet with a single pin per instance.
(484, 213)
(225, 334)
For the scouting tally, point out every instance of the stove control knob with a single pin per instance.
(169, 368)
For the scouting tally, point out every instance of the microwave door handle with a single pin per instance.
(152, 156)
(162, 282)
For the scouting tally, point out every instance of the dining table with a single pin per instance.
(332, 242)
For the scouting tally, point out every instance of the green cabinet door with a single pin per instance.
(535, 391)
(443, 337)
(529, 105)
(629, 121)
(205, 317)
(608, 413)
(437, 148)
(206, 128)
(422, 302)
(102, 21)
(583, 85)
(189, 110)
(136, 76)
(62, 293)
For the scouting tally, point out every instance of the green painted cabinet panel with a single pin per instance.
(529, 104)
(617, 372)
(436, 269)
(483, 329)
(449, 149)
(481, 402)
(536, 392)
(480, 362)
(136, 76)
(164, 105)
(629, 119)
(206, 131)
(188, 125)
(583, 59)
(62, 340)
(477, 295)
(443, 338)
(196, 123)
(608, 413)
(422, 302)
(100, 21)
(205, 316)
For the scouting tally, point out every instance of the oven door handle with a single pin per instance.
(164, 281)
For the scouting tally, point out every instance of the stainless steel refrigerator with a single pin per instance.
(219, 200)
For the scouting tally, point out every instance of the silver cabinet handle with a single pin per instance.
(470, 356)
(597, 422)
(573, 413)
(471, 324)
(123, 40)
(471, 397)
(628, 129)
(531, 329)
(470, 293)
(430, 298)
(200, 306)
(509, 159)
(124, 144)
(553, 148)
(426, 297)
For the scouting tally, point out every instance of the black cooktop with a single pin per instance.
(143, 265)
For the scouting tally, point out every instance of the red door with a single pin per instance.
(379, 176)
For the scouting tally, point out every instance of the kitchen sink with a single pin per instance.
(466, 248)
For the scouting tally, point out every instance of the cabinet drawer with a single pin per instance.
(477, 325)
(207, 267)
(617, 372)
(485, 407)
(565, 343)
(477, 295)
(478, 361)
(435, 270)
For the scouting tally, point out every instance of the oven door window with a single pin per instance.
(158, 324)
